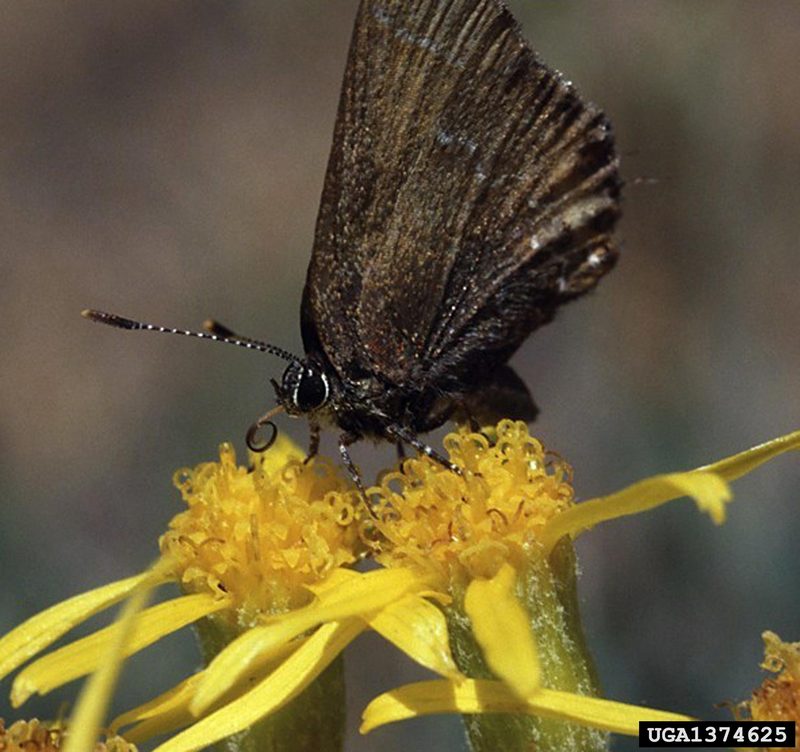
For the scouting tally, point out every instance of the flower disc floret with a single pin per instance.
(257, 536)
(466, 526)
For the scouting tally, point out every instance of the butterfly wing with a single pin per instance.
(469, 193)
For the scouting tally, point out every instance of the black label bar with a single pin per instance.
(716, 734)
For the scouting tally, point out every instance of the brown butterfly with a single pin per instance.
(470, 192)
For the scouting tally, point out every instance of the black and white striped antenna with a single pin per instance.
(215, 331)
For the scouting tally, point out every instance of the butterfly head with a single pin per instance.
(304, 388)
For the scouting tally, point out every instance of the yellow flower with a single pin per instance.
(261, 557)
(497, 539)
(481, 562)
(778, 697)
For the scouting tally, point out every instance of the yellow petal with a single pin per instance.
(248, 652)
(413, 624)
(286, 682)
(709, 490)
(90, 710)
(481, 696)
(235, 659)
(334, 579)
(502, 628)
(85, 655)
(419, 629)
(740, 464)
(353, 596)
(35, 634)
(172, 709)
(168, 711)
(710, 495)
(367, 592)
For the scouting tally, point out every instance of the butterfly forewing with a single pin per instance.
(469, 193)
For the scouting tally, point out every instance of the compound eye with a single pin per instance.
(311, 392)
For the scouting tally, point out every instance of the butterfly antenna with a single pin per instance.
(217, 332)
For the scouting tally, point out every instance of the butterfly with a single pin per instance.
(470, 193)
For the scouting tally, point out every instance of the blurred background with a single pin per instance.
(165, 160)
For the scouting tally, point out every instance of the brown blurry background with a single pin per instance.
(165, 160)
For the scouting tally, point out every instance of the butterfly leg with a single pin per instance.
(401, 450)
(345, 440)
(313, 442)
(464, 414)
(400, 434)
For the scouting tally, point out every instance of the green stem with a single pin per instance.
(548, 591)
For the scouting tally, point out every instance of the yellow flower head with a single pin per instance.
(254, 544)
(37, 736)
(461, 527)
(778, 697)
(259, 536)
